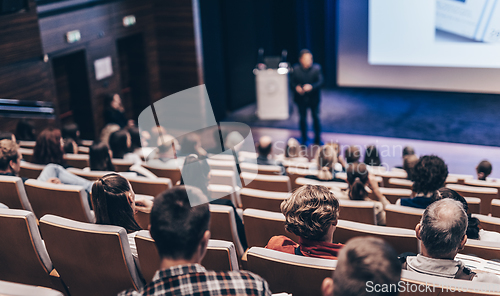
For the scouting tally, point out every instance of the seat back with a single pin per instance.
(225, 192)
(488, 223)
(399, 183)
(224, 165)
(23, 256)
(13, 193)
(27, 144)
(222, 177)
(482, 249)
(79, 161)
(89, 175)
(223, 226)
(358, 211)
(173, 174)
(147, 186)
(30, 170)
(262, 200)
(266, 182)
(392, 194)
(484, 193)
(92, 259)
(122, 165)
(495, 208)
(143, 218)
(402, 217)
(297, 275)
(220, 256)
(261, 169)
(67, 201)
(26, 153)
(402, 240)
(434, 286)
(474, 204)
(294, 173)
(460, 178)
(15, 289)
(261, 225)
(305, 181)
(386, 175)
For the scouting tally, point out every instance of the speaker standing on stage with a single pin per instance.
(306, 80)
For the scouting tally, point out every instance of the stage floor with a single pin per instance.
(430, 116)
(460, 158)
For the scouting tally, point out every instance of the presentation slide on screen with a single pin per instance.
(434, 33)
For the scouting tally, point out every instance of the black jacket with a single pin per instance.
(312, 76)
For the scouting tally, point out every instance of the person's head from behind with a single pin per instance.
(408, 150)
(166, 145)
(442, 229)
(10, 157)
(113, 201)
(180, 231)
(99, 158)
(305, 58)
(120, 143)
(326, 158)
(357, 178)
(70, 146)
(352, 154)
(191, 144)
(48, 147)
(234, 140)
(71, 131)
(473, 223)
(372, 156)
(311, 212)
(107, 131)
(265, 146)
(135, 138)
(429, 174)
(196, 172)
(409, 163)
(292, 149)
(25, 131)
(363, 261)
(483, 170)
(7, 136)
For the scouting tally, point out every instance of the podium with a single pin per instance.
(272, 93)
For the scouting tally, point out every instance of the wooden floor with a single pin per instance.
(460, 158)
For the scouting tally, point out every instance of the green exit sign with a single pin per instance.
(73, 36)
(128, 20)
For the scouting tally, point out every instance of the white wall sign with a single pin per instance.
(103, 68)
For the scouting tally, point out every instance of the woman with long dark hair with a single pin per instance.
(49, 147)
(358, 178)
(99, 158)
(114, 203)
(120, 144)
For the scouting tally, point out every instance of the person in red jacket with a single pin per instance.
(311, 213)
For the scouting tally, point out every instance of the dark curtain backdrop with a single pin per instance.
(233, 31)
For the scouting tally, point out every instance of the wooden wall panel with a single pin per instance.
(176, 45)
(20, 36)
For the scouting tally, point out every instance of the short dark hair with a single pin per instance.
(48, 147)
(357, 177)
(352, 154)
(99, 158)
(8, 152)
(372, 157)
(363, 260)
(196, 170)
(118, 143)
(264, 150)
(443, 227)
(70, 131)
(484, 167)
(176, 227)
(408, 150)
(304, 51)
(429, 174)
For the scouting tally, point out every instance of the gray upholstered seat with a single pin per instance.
(91, 259)
(297, 275)
(15, 289)
(67, 201)
(220, 256)
(13, 193)
(23, 256)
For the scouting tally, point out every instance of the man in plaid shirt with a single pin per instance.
(181, 236)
